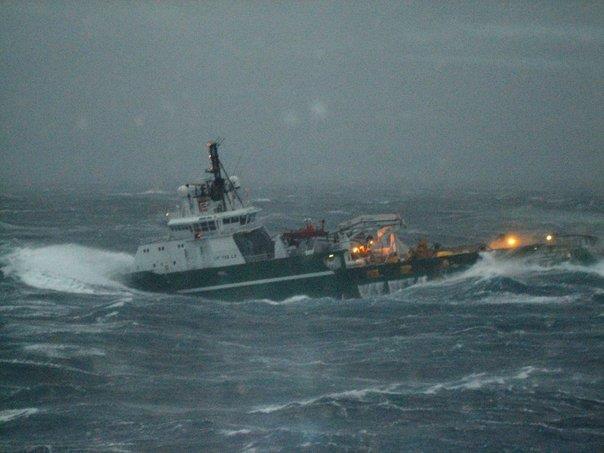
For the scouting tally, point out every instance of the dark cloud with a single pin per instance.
(420, 94)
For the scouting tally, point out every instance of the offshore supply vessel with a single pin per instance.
(218, 247)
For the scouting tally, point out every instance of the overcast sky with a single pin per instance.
(475, 94)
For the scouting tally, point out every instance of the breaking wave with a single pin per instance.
(471, 382)
(288, 301)
(13, 414)
(143, 193)
(67, 268)
(477, 381)
(500, 272)
(490, 266)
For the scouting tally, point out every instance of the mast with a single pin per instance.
(214, 160)
(220, 186)
(217, 189)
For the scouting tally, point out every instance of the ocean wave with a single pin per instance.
(10, 226)
(490, 266)
(235, 432)
(476, 381)
(67, 268)
(48, 365)
(596, 268)
(143, 193)
(506, 275)
(355, 394)
(63, 351)
(513, 298)
(288, 301)
(12, 414)
(338, 211)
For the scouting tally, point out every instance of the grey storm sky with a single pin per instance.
(470, 94)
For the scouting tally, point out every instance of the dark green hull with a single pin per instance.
(314, 275)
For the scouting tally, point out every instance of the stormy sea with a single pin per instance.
(507, 355)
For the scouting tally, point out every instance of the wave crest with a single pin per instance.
(67, 268)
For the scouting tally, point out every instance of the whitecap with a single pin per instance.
(48, 365)
(12, 414)
(237, 432)
(355, 394)
(596, 268)
(63, 351)
(477, 381)
(289, 300)
(153, 192)
(68, 268)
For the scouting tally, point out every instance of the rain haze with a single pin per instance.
(414, 261)
(415, 94)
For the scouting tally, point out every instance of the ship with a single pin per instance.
(549, 249)
(217, 246)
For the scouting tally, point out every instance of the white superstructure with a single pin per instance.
(212, 227)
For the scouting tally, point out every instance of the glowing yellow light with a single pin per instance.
(330, 255)
(355, 250)
(512, 241)
(549, 237)
(370, 242)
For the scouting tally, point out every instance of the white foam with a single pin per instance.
(47, 365)
(68, 268)
(355, 394)
(63, 351)
(145, 192)
(337, 211)
(153, 192)
(120, 303)
(477, 381)
(10, 226)
(289, 300)
(472, 381)
(510, 298)
(238, 432)
(12, 414)
(490, 266)
(596, 268)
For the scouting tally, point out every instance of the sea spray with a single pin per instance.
(70, 268)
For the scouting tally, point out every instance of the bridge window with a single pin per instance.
(212, 225)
